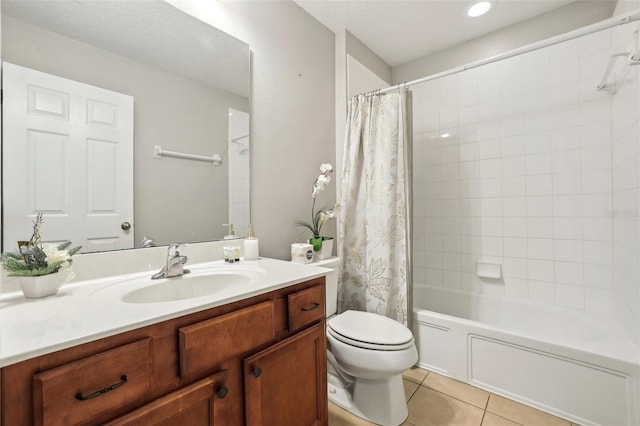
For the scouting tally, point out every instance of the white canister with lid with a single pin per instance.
(301, 253)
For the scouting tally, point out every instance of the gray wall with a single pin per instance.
(367, 57)
(292, 111)
(175, 200)
(559, 21)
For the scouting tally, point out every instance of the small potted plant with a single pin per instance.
(41, 268)
(322, 245)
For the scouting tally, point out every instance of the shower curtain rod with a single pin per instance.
(590, 29)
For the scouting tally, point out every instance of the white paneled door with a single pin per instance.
(67, 153)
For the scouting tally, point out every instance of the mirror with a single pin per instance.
(189, 85)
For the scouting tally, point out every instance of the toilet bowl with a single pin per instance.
(367, 354)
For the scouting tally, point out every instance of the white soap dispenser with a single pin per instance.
(251, 246)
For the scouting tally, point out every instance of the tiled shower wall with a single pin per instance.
(512, 164)
(625, 212)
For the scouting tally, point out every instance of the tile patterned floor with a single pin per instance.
(435, 400)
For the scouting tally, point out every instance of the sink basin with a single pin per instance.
(198, 283)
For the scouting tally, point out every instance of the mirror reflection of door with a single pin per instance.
(77, 142)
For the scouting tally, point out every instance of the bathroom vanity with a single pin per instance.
(252, 354)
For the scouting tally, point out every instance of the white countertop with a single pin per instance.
(85, 311)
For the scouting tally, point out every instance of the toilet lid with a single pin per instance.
(369, 328)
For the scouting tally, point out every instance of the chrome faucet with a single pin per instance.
(175, 263)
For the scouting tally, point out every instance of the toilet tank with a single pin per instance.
(332, 263)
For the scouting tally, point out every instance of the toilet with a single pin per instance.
(366, 355)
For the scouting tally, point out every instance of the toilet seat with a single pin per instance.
(370, 331)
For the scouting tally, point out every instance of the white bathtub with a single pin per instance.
(568, 363)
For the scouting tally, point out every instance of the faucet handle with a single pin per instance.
(175, 249)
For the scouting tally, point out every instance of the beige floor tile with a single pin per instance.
(491, 419)
(456, 389)
(415, 374)
(521, 413)
(409, 388)
(340, 417)
(428, 407)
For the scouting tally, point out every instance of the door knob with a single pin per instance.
(256, 372)
(125, 225)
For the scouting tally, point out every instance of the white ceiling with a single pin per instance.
(400, 31)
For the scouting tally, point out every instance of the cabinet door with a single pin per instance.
(192, 405)
(286, 384)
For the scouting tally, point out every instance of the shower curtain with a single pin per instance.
(374, 226)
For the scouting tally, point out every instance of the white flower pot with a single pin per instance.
(45, 285)
(325, 251)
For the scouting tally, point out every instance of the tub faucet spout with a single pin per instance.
(175, 263)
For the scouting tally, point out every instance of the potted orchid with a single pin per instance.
(320, 216)
(41, 268)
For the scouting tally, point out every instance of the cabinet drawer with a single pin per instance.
(306, 306)
(82, 391)
(192, 405)
(205, 344)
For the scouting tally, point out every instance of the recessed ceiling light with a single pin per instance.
(478, 8)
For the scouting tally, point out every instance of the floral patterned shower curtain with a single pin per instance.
(374, 226)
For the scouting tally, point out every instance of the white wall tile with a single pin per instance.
(566, 161)
(569, 272)
(597, 252)
(514, 206)
(542, 292)
(535, 170)
(517, 288)
(598, 300)
(571, 296)
(512, 166)
(489, 148)
(536, 164)
(515, 247)
(597, 228)
(567, 183)
(564, 139)
(539, 227)
(540, 206)
(567, 205)
(596, 182)
(469, 151)
(540, 270)
(564, 117)
(514, 226)
(593, 135)
(512, 146)
(568, 250)
(540, 185)
(567, 228)
(598, 276)
(490, 168)
(596, 205)
(596, 158)
(514, 186)
(540, 248)
(491, 187)
(538, 142)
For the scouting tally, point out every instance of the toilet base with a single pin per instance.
(379, 401)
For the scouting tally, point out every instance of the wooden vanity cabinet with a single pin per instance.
(258, 361)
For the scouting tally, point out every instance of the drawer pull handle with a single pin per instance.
(316, 305)
(222, 392)
(123, 380)
(256, 372)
